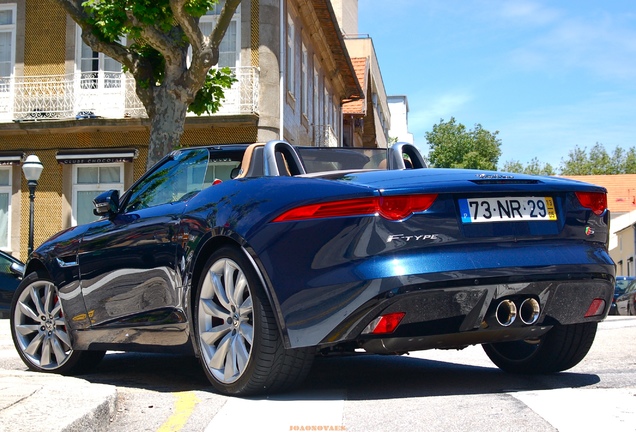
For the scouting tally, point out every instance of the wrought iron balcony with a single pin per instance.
(102, 95)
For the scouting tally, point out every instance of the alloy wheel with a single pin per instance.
(225, 321)
(40, 328)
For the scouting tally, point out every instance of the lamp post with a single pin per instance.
(32, 169)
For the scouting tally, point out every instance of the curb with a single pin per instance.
(41, 401)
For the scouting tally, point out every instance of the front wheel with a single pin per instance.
(241, 348)
(40, 333)
(562, 348)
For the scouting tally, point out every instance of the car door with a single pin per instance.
(128, 264)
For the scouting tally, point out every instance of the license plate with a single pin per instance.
(507, 209)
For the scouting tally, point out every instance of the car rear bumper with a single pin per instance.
(465, 315)
(329, 301)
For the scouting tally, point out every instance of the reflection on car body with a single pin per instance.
(244, 257)
(625, 299)
(621, 284)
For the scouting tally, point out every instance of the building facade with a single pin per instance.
(78, 112)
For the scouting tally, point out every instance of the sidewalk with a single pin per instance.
(31, 401)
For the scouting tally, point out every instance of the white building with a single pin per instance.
(399, 108)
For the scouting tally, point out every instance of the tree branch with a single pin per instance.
(114, 50)
(223, 23)
(207, 55)
(188, 23)
(157, 39)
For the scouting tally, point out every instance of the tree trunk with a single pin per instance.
(167, 119)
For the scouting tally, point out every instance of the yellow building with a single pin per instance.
(78, 112)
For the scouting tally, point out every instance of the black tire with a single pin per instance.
(563, 347)
(242, 352)
(39, 330)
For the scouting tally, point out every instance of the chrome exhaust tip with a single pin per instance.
(506, 313)
(529, 311)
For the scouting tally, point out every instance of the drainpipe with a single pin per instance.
(341, 120)
(283, 66)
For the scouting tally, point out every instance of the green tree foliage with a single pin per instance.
(453, 146)
(512, 166)
(534, 167)
(166, 52)
(598, 161)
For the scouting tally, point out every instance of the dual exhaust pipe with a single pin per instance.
(507, 312)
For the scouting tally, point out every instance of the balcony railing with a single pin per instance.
(103, 94)
(324, 136)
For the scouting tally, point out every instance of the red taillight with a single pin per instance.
(595, 201)
(392, 207)
(385, 324)
(401, 206)
(596, 308)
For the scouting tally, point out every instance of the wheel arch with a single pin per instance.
(35, 265)
(210, 246)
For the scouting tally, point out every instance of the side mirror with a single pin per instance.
(106, 203)
(17, 269)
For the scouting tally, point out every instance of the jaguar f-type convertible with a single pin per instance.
(257, 258)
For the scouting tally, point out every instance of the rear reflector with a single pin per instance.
(384, 324)
(389, 207)
(595, 201)
(596, 308)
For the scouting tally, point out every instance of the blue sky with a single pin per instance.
(548, 75)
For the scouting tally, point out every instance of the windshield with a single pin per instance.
(622, 284)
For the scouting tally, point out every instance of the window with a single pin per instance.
(5, 206)
(89, 180)
(304, 91)
(176, 180)
(98, 71)
(7, 45)
(291, 55)
(230, 48)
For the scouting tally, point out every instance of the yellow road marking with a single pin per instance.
(183, 407)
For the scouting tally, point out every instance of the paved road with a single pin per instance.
(431, 390)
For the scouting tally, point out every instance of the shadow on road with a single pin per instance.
(386, 377)
(359, 377)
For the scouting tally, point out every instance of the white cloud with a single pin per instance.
(601, 44)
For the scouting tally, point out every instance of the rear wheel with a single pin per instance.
(40, 333)
(241, 348)
(560, 349)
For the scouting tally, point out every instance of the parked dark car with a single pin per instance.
(10, 275)
(240, 256)
(626, 301)
(619, 289)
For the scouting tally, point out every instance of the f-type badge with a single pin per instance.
(408, 238)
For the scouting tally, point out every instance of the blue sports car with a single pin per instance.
(258, 258)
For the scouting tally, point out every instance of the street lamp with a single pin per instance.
(32, 169)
